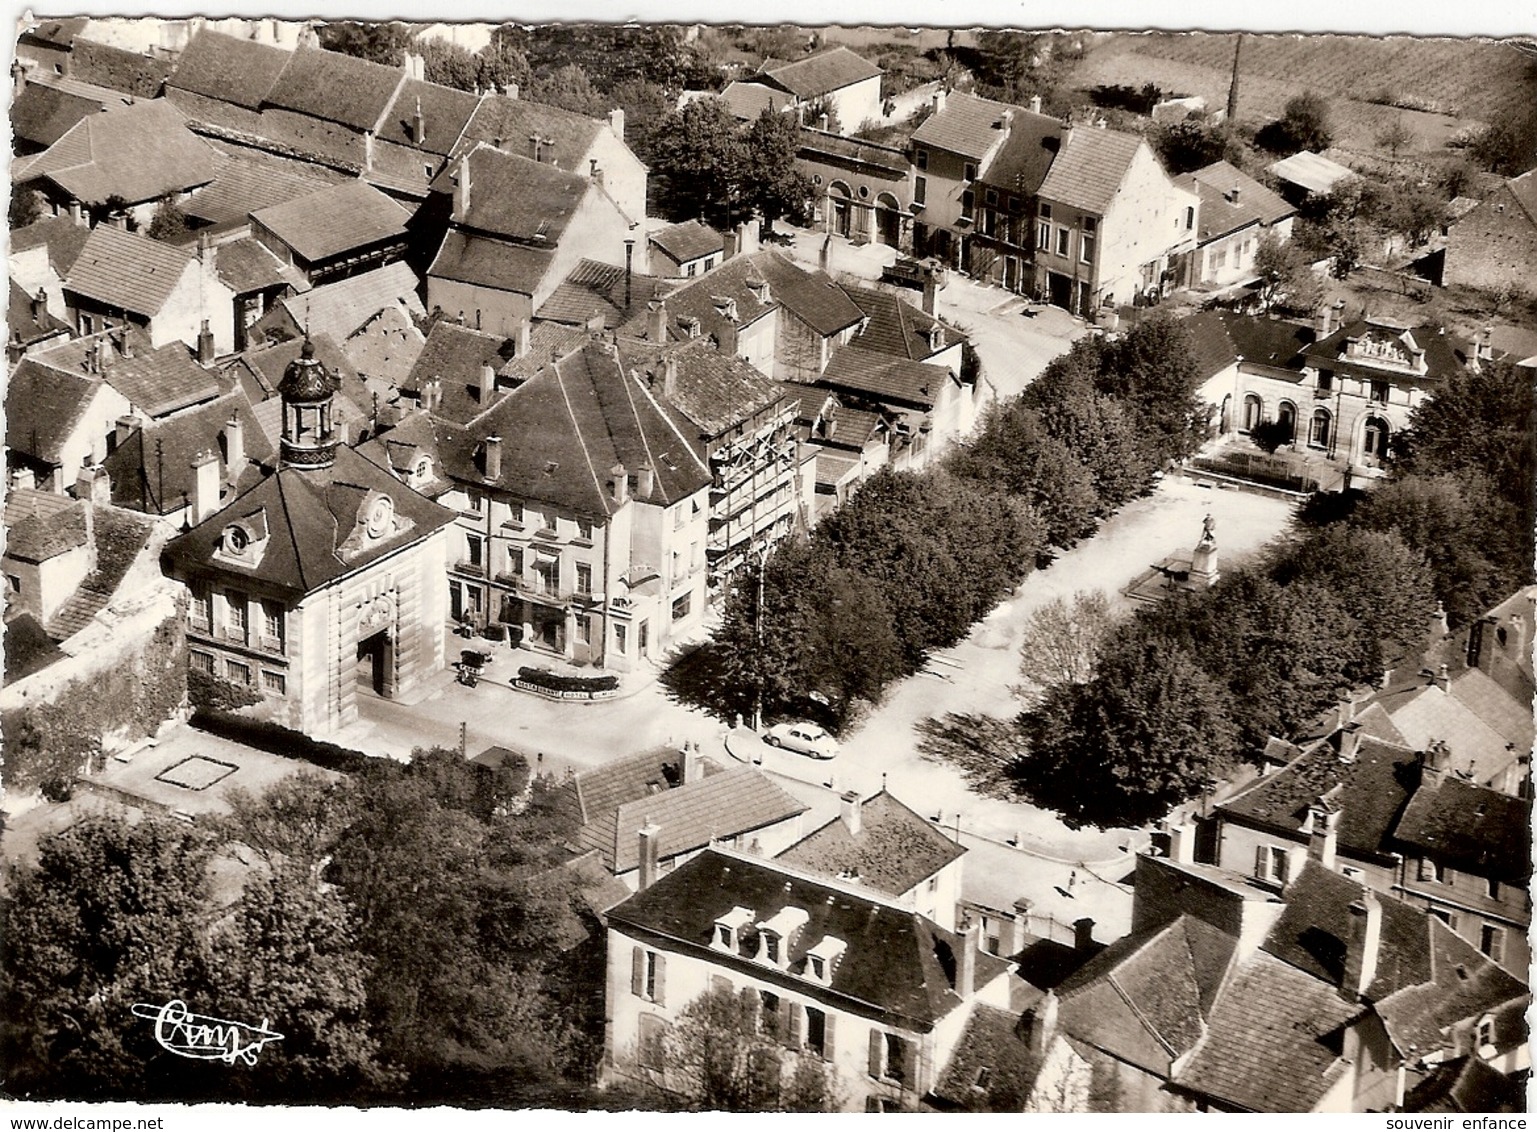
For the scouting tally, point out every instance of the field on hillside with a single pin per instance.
(1470, 81)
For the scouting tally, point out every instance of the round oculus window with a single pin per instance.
(379, 515)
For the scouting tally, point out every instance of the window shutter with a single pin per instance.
(660, 995)
(828, 1049)
(909, 1064)
(1427, 869)
(638, 973)
(1261, 859)
(877, 1053)
(793, 1028)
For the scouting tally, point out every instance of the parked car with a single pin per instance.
(807, 738)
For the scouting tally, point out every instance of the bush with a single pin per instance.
(207, 692)
(277, 740)
(557, 682)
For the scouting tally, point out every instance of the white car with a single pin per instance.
(807, 738)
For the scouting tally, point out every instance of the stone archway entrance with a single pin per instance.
(888, 220)
(376, 655)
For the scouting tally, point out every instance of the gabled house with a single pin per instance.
(326, 563)
(333, 233)
(1251, 368)
(600, 296)
(648, 814)
(883, 845)
(40, 256)
(685, 250)
(131, 155)
(867, 990)
(1236, 213)
(837, 82)
(50, 548)
(31, 326)
(44, 111)
(949, 151)
(1495, 244)
(517, 228)
(1398, 820)
(172, 295)
(341, 309)
(57, 422)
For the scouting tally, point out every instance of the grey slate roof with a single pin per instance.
(1090, 167)
(127, 270)
(332, 221)
(690, 240)
(230, 69)
(823, 73)
(336, 88)
(894, 851)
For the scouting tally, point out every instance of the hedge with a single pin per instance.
(267, 736)
(555, 682)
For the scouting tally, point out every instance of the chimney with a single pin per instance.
(966, 961)
(418, 124)
(205, 485)
(493, 457)
(1444, 678)
(534, 146)
(1350, 742)
(511, 91)
(39, 304)
(1043, 1022)
(1182, 843)
(670, 377)
(486, 388)
(76, 213)
(1019, 926)
(594, 173)
(125, 344)
(1233, 195)
(1035, 104)
(368, 149)
(656, 321)
(1066, 135)
(851, 810)
(690, 766)
(746, 244)
(18, 79)
(616, 122)
(93, 487)
(930, 291)
(823, 121)
(1436, 758)
(1324, 841)
(125, 427)
(619, 484)
(234, 448)
(649, 862)
(525, 338)
(825, 257)
(1083, 935)
(1361, 948)
(726, 338)
(431, 390)
(1485, 351)
(462, 190)
(939, 101)
(205, 346)
(645, 481)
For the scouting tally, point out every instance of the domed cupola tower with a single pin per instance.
(307, 390)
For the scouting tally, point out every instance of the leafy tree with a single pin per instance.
(378, 43)
(1413, 210)
(1063, 639)
(771, 183)
(1152, 369)
(1304, 124)
(448, 64)
(852, 650)
(698, 154)
(1396, 137)
(1507, 146)
(569, 88)
(169, 223)
(1286, 279)
(1192, 144)
(1270, 435)
(26, 208)
(499, 65)
(109, 917)
(297, 820)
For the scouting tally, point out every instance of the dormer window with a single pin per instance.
(822, 960)
(729, 928)
(777, 935)
(421, 472)
(690, 326)
(243, 541)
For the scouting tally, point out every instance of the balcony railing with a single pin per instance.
(465, 566)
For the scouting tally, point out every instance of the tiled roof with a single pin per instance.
(596, 289)
(55, 33)
(61, 235)
(1470, 827)
(42, 406)
(487, 262)
(267, 364)
(41, 115)
(127, 270)
(567, 429)
(810, 296)
(519, 198)
(139, 152)
(1267, 1049)
(335, 220)
(733, 804)
(28, 325)
(251, 182)
(398, 446)
(816, 145)
(690, 240)
(445, 113)
(1311, 171)
(336, 88)
(1476, 717)
(1524, 189)
(1463, 983)
(119, 539)
(991, 1041)
(1220, 338)
(244, 265)
(894, 851)
(151, 470)
(339, 309)
(454, 355)
(386, 349)
(895, 960)
(715, 391)
(309, 516)
(548, 343)
(230, 69)
(216, 121)
(1371, 790)
(1255, 201)
(596, 794)
(883, 376)
(968, 125)
(1441, 350)
(1466, 1085)
(40, 525)
(824, 73)
(1090, 167)
(707, 299)
(158, 382)
(507, 123)
(748, 100)
(896, 327)
(1022, 163)
(104, 65)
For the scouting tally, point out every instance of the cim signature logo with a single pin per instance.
(185, 1034)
